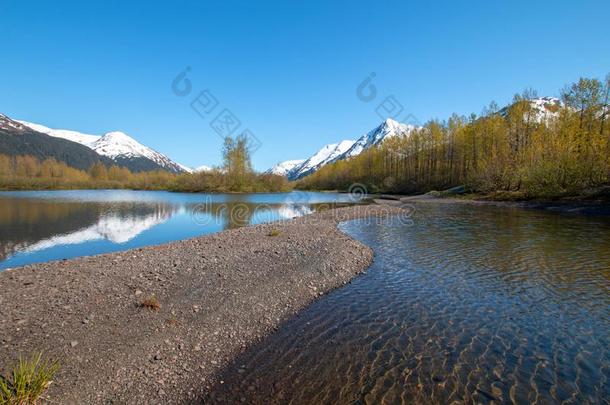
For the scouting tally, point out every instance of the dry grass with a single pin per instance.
(172, 321)
(274, 232)
(151, 303)
(29, 379)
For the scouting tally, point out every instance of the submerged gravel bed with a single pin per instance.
(218, 294)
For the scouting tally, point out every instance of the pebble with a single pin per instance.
(192, 350)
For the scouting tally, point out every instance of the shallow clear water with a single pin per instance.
(465, 305)
(38, 226)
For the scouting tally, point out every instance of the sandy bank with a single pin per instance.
(218, 294)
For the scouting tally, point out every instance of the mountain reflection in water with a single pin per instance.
(42, 226)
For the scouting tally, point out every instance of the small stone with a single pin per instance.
(73, 343)
(137, 292)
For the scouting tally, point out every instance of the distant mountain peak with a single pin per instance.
(545, 109)
(74, 136)
(116, 145)
(388, 128)
(10, 125)
(285, 167)
(118, 136)
(17, 138)
(203, 168)
(391, 122)
(296, 169)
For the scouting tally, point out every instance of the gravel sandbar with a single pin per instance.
(218, 294)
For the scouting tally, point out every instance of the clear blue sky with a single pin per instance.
(288, 70)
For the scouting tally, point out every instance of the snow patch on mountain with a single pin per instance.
(544, 109)
(203, 168)
(284, 168)
(389, 128)
(186, 169)
(114, 145)
(74, 136)
(327, 154)
(296, 169)
(8, 124)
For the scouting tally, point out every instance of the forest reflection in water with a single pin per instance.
(38, 227)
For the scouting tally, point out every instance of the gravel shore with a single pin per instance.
(218, 294)
(595, 207)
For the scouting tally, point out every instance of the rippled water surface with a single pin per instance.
(38, 226)
(466, 305)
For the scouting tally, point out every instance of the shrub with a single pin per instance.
(151, 303)
(28, 381)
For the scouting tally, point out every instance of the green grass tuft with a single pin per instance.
(28, 381)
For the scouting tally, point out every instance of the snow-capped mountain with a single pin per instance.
(386, 129)
(118, 146)
(198, 169)
(547, 108)
(8, 124)
(327, 154)
(186, 168)
(544, 109)
(296, 169)
(74, 136)
(283, 168)
(203, 168)
(18, 139)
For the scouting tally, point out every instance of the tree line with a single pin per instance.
(236, 175)
(515, 152)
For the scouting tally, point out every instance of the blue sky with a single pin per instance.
(287, 70)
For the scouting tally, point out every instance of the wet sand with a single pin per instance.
(218, 295)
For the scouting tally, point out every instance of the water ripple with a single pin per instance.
(467, 305)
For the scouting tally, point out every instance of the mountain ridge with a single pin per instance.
(18, 139)
(544, 109)
(117, 146)
(342, 150)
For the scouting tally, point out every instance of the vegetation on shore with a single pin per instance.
(151, 303)
(509, 152)
(236, 175)
(28, 380)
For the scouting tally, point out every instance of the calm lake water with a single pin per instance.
(465, 305)
(38, 226)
